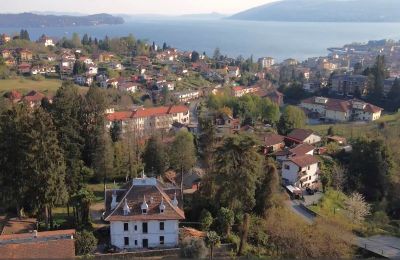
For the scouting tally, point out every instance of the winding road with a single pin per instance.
(386, 246)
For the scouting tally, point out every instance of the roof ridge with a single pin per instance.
(168, 199)
(119, 203)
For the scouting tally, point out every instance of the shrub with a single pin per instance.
(234, 240)
(85, 243)
(193, 248)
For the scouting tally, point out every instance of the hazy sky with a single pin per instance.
(169, 7)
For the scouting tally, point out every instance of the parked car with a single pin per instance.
(310, 191)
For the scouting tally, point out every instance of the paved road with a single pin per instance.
(193, 111)
(386, 246)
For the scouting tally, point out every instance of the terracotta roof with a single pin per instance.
(238, 88)
(135, 196)
(343, 105)
(18, 225)
(45, 234)
(303, 161)
(146, 112)
(300, 134)
(302, 149)
(34, 96)
(13, 95)
(273, 139)
(47, 245)
(372, 109)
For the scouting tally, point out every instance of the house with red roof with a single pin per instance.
(144, 214)
(299, 135)
(341, 110)
(301, 171)
(273, 143)
(240, 91)
(34, 98)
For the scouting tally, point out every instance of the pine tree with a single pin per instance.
(238, 167)
(92, 121)
(183, 152)
(46, 165)
(268, 188)
(155, 156)
(14, 178)
(65, 110)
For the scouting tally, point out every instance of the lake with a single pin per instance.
(280, 40)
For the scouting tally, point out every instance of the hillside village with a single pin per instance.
(145, 147)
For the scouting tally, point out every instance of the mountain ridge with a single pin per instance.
(29, 20)
(324, 11)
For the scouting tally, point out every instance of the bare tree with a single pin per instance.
(338, 176)
(357, 208)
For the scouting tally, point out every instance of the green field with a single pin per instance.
(358, 129)
(24, 85)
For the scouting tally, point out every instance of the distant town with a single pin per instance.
(120, 146)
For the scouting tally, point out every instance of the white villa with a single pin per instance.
(143, 214)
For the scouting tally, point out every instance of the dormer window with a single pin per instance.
(144, 207)
(162, 205)
(126, 209)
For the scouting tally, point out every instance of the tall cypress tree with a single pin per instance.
(65, 112)
(45, 162)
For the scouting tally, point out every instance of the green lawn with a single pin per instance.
(24, 85)
(357, 129)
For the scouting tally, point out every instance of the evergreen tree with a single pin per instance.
(237, 170)
(155, 156)
(183, 152)
(85, 39)
(14, 179)
(92, 121)
(103, 156)
(45, 162)
(268, 188)
(369, 169)
(226, 219)
(65, 111)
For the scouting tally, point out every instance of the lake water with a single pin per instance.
(280, 40)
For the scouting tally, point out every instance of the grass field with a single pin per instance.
(357, 129)
(24, 85)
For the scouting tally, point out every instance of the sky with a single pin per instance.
(165, 7)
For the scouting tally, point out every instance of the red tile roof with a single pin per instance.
(146, 112)
(300, 134)
(303, 161)
(47, 245)
(34, 96)
(302, 149)
(343, 105)
(273, 139)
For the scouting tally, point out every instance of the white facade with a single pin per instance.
(266, 62)
(300, 177)
(159, 234)
(312, 139)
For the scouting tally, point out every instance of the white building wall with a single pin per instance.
(313, 139)
(337, 116)
(170, 233)
(294, 174)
